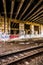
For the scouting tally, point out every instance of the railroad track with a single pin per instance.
(17, 56)
(36, 59)
(21, 49)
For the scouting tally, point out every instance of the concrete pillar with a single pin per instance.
(2, 24)
(6, 26)
(32, 29)
(2, 27)
(9, 26)
(41, 29)
(21, 27)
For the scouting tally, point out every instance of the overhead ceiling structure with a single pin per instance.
(25, 10)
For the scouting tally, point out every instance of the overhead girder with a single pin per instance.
(39, 21)
(5, 13)
(12, 8)
(32, 9)
(20, 6)
(38, 17)
(41, 18)
(38, 11)
(4, 5)
(33, 17)
(26, 9)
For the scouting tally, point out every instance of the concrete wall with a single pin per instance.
(21, 25)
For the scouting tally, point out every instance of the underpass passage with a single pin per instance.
(23, 18)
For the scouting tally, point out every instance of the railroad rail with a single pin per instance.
(21, 49)
(16, 56)
(36, 59)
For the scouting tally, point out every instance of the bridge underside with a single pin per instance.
(23, 12)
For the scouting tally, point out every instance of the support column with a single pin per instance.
(9, 26)
(21, 28)
(41, 29)
(5, 25)
(2, 24)
(32, 29)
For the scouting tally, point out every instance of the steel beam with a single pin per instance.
(20, 6)
(5, 18)
(26, 9)
(40, 13)
(38, 17)
(12, 8)
(41, 18)
(38, 22)
(35, 13)
(32, 9)
(4, 4)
